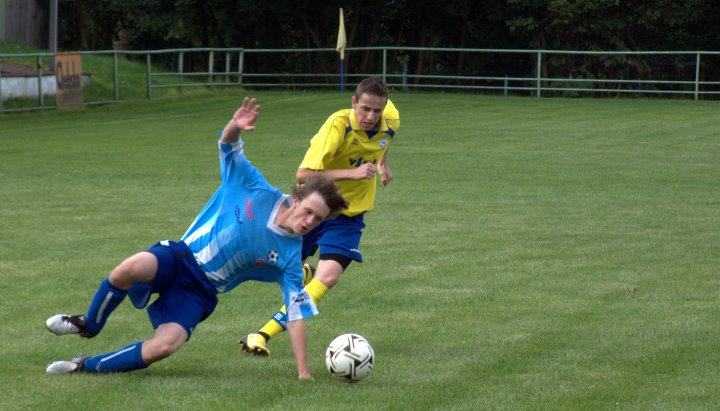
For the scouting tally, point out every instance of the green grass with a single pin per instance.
(549, 254)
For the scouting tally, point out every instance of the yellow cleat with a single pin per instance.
(254, 344)
(308, 273)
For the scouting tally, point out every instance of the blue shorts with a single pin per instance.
(186, 296)
(339, 235)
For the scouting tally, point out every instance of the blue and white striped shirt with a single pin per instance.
(234, 238)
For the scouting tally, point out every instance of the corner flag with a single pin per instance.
(341, 42)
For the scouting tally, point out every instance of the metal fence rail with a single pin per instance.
(693, 74)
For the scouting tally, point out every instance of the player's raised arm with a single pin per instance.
(243, 119)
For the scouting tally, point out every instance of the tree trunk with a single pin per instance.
(82, 26)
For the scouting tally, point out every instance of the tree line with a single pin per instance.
(499, 24)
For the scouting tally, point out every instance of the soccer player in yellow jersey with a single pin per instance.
(351, 148)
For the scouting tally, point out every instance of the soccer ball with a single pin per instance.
(350, 358)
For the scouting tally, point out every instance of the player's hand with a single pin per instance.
(365, 172)
(305, 376)
(244, 118)
(386, 175)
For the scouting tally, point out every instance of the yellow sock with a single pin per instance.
(317, 291)
(273, 328)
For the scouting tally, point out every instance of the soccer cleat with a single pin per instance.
(254, 344)
(65, 367)
(63, 324)
(308, 273)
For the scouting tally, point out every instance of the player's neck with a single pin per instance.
(281, 218)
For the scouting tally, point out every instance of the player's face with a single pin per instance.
(308, 213)
(368, 109)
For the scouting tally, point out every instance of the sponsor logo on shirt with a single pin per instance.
(248, 209)
(247, 212)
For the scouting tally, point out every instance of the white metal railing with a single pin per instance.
(229, 67)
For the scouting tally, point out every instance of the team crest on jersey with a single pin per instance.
(259, 261)
(272, 256)
(383, 142)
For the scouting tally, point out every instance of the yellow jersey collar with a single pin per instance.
(356, 126)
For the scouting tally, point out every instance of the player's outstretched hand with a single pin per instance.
(244, 118)
(305, 377)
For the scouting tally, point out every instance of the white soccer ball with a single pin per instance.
(350, 358)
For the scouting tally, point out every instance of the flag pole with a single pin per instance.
(340, 47)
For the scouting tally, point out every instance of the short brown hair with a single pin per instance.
(373, 86)
(328, 190)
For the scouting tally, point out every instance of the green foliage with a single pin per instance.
(131, 70)
(532, 254)
(510, 24)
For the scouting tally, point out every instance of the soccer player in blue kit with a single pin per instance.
(351, 147)
(249, 230)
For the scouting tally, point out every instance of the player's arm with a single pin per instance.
(364, 172)
(386, 175)
(243, 119)
(298, 341)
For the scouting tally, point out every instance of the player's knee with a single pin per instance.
(133, 269)
(157, 350)
(329, 279)
(121, 276)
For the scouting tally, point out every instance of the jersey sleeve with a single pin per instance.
(392, 116)
(326, 142)
(235, 168)
(298, 302)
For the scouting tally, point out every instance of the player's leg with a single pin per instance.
(338, 240)
(141, 267)
(327, 275)
(168, 338)
(256, 343)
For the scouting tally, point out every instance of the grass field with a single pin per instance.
(532, 254)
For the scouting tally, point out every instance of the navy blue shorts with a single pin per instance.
(340, 235)
(186, 296)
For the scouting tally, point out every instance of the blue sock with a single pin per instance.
(106, 299)
(125, 359)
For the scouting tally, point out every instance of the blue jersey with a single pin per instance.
(234, 238)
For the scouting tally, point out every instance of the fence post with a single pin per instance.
(384, 65)
(405, 76)
(116, 82)
(227, 67)
(697, 75)
(147, 76)
(181, 63)
(211, 59)
(41, 98)
(1, 99)
(241, 57)
(539, 73)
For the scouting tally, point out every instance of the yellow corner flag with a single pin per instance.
(342, 40)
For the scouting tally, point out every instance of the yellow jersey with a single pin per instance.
(342, 144)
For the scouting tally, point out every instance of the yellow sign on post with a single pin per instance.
(68, 79)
